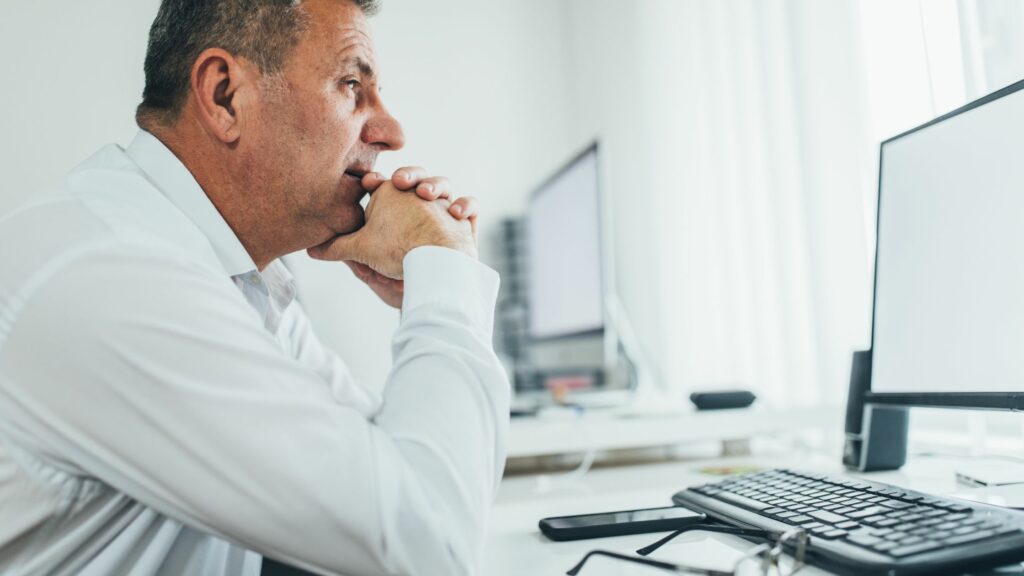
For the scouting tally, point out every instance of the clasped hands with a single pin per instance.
(397, 222)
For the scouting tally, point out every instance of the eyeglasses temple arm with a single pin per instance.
(752, 533)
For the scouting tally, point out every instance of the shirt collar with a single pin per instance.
(174, 180)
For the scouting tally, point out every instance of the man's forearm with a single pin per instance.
(446, 403)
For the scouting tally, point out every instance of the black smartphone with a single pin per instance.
(619, 523)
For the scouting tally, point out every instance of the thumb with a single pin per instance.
(343, 247)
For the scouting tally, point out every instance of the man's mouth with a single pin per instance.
(356, 173)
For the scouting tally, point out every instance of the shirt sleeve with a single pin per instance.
(150, 373)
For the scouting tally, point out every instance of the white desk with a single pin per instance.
(516, 547)
(613, 429)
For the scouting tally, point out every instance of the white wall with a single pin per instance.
(71, 78)
(478, 84)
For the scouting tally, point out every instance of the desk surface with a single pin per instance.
(516, 547)
(629, 427)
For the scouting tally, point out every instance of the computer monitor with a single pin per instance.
(948, 325)
(565, 282)
(572, 343)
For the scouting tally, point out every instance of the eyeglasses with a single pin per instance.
(761, 560)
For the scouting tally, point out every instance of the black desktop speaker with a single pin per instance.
(876, 436)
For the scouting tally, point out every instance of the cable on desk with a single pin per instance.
(551, 482)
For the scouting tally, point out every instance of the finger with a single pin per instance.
(465, 208)
(362, 271)
(372, 180)
(408, 177)
(433, 188)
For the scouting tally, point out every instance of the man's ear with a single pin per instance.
(217, 79)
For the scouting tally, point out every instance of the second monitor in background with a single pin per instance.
(574, 350)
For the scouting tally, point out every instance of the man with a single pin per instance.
(164, 406)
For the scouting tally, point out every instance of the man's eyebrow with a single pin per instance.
(356, 61)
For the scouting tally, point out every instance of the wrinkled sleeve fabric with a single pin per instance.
(161, 382)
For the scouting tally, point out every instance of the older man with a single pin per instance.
(165, 407)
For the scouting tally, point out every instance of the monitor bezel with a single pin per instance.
(595, 148)
(971, 400)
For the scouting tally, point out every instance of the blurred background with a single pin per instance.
(739, 143)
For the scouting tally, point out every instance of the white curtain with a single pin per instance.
(737, 143)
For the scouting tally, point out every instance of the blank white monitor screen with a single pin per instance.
(563, 236)
(949, 296)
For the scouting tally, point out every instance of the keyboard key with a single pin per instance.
(866, 512)
(894, 504)
(865, 540)
(833, 534)
(848, 525)
(742, 501)
(964, 539)
(902, 551)
(801, 519)
(827, 517)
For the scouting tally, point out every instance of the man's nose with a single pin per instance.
(383, 131)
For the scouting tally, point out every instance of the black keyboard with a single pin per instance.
(859, 527)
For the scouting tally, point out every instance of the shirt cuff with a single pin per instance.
(446, 279)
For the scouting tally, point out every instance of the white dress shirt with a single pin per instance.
(165, 408)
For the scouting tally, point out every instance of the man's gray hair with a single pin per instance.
(262, 31)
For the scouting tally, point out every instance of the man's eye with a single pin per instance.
(353, 84)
